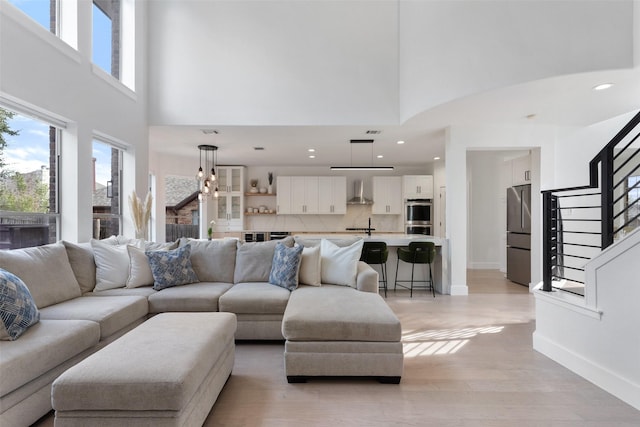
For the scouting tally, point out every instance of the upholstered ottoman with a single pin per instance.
(166, 372)
(340, 331)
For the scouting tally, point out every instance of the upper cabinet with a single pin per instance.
(332, 195)
(300, 195)
(521, 170)
(230, 179)
(387, 195)
(417, 186)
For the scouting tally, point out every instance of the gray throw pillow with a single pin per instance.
(253, 260)
(82, 263)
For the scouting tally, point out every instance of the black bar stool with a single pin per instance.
(416, 253)
(377, 253)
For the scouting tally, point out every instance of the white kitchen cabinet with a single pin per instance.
(230, 202)
(417, 186)
(332, 195)
(283, 197)
(304, 194)
(387, 195)
(521, 170)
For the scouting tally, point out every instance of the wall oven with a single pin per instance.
(418, 216)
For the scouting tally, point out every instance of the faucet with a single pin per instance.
(368, 230)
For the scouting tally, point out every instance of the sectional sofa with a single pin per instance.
(90, 294)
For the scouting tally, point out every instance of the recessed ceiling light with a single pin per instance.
(400, 142)
(603, 86)
(312, 156)
(436, 158)
(311, 150)
(380, 156)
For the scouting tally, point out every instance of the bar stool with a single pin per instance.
(416, 253)
(377, 253)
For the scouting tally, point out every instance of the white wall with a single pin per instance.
(42, 72)
(598, 339)
(361, 62)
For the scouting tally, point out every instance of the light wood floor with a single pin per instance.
(468, 362)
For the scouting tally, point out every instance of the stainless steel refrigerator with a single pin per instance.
(519, 234)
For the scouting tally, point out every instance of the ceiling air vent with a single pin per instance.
(373, 132)
(258, 148)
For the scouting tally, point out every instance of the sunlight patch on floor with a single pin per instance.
(438, 342)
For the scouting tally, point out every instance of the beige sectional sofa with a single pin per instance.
(78, 316)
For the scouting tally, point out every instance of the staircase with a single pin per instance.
(580, 222)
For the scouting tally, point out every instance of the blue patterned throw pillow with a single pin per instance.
(285, 266)
(171, 268)
(18, 311)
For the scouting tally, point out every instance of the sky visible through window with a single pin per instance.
(29, 150)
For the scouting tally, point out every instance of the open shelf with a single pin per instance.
(260, 194)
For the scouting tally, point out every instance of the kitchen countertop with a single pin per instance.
(391, 239)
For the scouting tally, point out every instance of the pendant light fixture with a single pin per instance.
(208, 180)
(361, 168)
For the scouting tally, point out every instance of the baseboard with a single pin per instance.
(459, 290)
(611, 382)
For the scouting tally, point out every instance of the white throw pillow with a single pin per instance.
(339, 265)
(310, 273)
(139, 270)
(112, 265)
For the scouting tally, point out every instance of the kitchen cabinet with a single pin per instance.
(230, 202)
(304, 194)
(417, 186)
(283, 198)
(387, 195)
(332, 195)
(521, 170)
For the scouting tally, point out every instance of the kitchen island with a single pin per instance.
(440, 266)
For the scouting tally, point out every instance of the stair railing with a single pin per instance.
(579, 222)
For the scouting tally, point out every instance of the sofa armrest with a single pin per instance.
(367, 279)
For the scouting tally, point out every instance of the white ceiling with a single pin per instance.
(561, 101)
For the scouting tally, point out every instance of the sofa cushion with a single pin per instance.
(254, 298)
(338, 313)
(142, 291)
(82, 263)
(46, 272)
(41, 348)
(171, 268)
(111, 313)
(310, 266)
(253, 260)
(339, 265)
(213, 260)
(201, 296)
(285, 266)
(18, 311)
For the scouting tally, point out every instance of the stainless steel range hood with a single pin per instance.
(358, 195)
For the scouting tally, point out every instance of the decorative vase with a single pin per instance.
(253, 190)
(270, 189)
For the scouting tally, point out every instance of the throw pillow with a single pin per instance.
(18, 310)
(253, 260)
(285, 266)
(171, 268)
(112, 265)
(46, 272)
(310, 266)
(139, 269)
(339, 265)
(82, 263)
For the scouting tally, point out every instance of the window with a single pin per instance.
(632, 213)
(28, 181)
(106, 36)
(107, 190)
(43, 12)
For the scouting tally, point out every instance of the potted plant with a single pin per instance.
(210, 229)
(270, 178)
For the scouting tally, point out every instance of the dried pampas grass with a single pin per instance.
(140, 213)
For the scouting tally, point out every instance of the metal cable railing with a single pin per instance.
(579, 222)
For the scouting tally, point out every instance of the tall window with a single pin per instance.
(106, 36)
(43, 12)
(107, 190)
(633, 202)
(28, 181)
